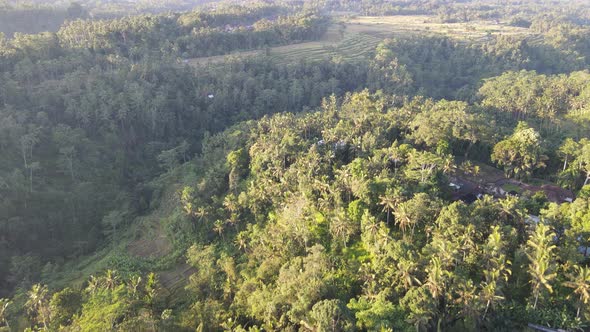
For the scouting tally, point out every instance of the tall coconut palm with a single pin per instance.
(490, 290)
(467, 240)
(397, 154)
(230, 203)
(406, 269)
(436, 277)
(110, 279)
(340, 227)
(344, 179)
(4, 304)
(568, 151)
(540, 254)
(371, 227)
(200, 213)
(38, 304)
(496, 270)
(389, 201)
(93, 285)
(219, 227)
(241, 241)
(133, 286)
(579, 281)
(403, 217)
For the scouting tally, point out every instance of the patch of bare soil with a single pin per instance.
(176, 277)
(152, 243)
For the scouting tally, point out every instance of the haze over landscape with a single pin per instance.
(294, 165)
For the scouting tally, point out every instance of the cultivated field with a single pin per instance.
(355, 38)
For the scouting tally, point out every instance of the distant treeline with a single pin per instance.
(39, 16)
(576, 11)
(32, 20)
(189, 35)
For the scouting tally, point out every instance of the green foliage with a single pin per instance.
(521, 153)
(4, 304)
(541, 267)
(310, 195)
(64, 305)
(331, 315)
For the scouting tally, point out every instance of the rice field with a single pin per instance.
(355, 38)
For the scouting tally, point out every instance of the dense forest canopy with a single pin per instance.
(165, 168)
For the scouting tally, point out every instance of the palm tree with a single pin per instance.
(201, 213)
(568, 150)
(133, 285)
(513, 213)
(372, 227)
(489, 293)
(110, 279)
(509, 206)
(467, 299)
(383, 237)
(540, 254)
(436, 275)
(580, 283)
(446, 251)
(421, 320)
(389, 201)
(466, 240)
(406, 269)
(151, 288)
(218, 227)
(232, 220)
(38, 303)
(403, 217)
(4, 304)
(448, 165)
(230, 203)
(340, 228)
(93, 285)
(241, 241)
(496, 268)
(397, 153)
(186, 196)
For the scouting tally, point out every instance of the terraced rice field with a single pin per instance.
(407, 25)
(352, 47)
(355, 39)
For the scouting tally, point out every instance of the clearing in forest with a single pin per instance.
(355, 38)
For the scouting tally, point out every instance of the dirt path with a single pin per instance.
(554, 193)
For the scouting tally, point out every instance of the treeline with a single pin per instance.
(107, 299)
(517, 12)
(48, 16)
(139, 36)
(190, 34)
(36, 19)
(445, 68)
(514, 12)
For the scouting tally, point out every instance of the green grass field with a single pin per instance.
(355, 39)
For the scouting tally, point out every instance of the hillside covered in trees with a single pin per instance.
(166, 170)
